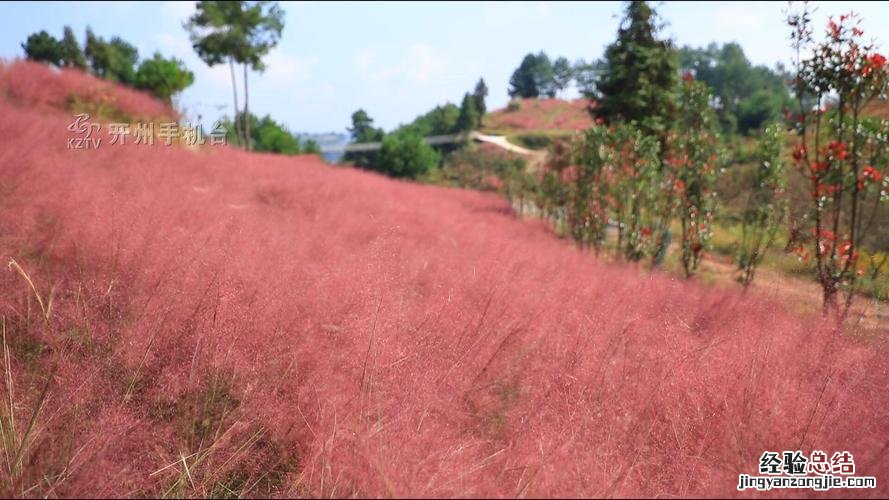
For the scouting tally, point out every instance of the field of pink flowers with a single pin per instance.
(212, 322)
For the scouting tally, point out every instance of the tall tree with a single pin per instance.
(479, 95)
(216, 38)
(563, 73)
(262, 23)
(543, 74)
(92, 49)
(72, 55)
(639, 74)
(114, 60)
(522, 82)
(43, 47)
(236, 32)
(469, 115)
(533, 77)
(362, 130)
(586, 75)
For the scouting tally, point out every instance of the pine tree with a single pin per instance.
(479, 95)
(533, 78)
(563, 73)
(72, 55)
(469, 115)
(362, 130)
(522, 82)
(640, 74)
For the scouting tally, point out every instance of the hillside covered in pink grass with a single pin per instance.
(274, 326)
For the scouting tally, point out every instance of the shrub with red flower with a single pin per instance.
(639, 200)
(873, 63)
(845, 182)
(693, 148)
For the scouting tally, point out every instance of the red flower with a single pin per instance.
(826, 235)
(873, 62)
(646, 231)
(871, 174)
(838, 150)
(833, 28)
(820, 166)
(688, 77)
(800, 152)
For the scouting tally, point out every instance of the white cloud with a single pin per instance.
(420, 64)
(366, 61)
(282, 68)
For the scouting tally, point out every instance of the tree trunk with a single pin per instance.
(246, 113)
(231, 66)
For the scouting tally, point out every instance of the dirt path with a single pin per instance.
(536, 158)
(800, 294)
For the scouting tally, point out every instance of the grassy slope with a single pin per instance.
(537, 120)
(229, 322)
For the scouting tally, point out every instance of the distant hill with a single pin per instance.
(541, 114)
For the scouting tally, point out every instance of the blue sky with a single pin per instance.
(399, 59)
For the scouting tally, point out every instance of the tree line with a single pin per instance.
(114, 59)
(403, 152)
(746, 97)
(221, 32)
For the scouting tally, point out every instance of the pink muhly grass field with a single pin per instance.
(286, 327)
(543, 114)
(35, 84)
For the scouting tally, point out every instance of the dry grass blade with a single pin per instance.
(46, 308)
(14, 449)
(26, 438)
(7, 433)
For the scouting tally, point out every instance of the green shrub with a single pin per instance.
(406, 154)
